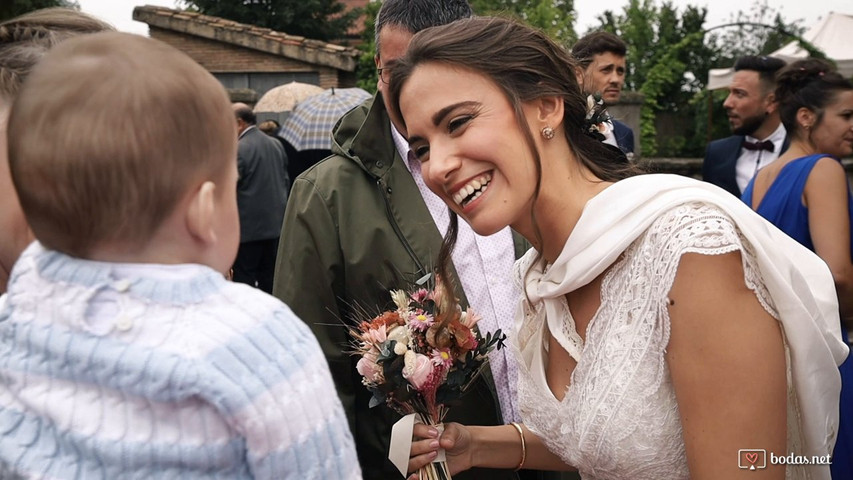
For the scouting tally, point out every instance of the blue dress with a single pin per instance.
(782, 205)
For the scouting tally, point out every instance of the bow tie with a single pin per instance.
(765, 145)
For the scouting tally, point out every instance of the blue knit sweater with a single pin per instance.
(114, 370)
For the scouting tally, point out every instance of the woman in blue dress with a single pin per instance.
(806, 194)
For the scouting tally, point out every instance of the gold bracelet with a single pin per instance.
(523, 446)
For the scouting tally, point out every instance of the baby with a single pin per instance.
(124, 352)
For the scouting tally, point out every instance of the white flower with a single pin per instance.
(400, 334)
(401, 299)
(400, 348)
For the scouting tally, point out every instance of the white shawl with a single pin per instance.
(799, 282)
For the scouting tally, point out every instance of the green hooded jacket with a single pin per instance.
(355, 227)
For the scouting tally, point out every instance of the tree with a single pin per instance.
(760, 31)
(13, 8)
(669, 56)
(668, 60)
(554, 17)
(316, 19)
(365, 72)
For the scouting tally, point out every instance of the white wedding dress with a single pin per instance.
(619, 418)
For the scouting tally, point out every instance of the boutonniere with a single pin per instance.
(597, 122)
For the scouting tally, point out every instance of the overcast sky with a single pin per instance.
(119, 12)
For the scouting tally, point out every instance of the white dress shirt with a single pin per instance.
(750, 161)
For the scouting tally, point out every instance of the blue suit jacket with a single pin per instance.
(624, 136)
(721, 161)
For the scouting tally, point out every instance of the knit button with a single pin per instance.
(121, 285)
(124, 324)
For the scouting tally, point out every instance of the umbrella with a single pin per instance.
(284, 97)
(310, 124)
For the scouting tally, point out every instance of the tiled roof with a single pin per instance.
(249, 36)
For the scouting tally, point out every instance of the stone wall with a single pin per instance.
(692, 167)
(627, 111)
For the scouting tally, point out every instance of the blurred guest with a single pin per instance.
(805, 193)
(262, 189)
(759, 137)
(270, 127)
(23, 41)
(601, 58)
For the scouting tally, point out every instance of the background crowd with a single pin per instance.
(632, 298)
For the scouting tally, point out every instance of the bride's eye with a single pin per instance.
(421, 152)
(458, 122)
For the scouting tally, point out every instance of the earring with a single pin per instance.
(547, 132)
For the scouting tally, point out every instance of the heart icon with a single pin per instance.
(752, 457)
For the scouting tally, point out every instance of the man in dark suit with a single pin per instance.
(262, 189)
(759, 136)
(601, 55)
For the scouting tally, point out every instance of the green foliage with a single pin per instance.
(316, 19)
(554, 17)
(13, 8)
(365, 72)
(670, 52)
(751, 35)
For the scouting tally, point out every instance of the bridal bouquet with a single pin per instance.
(422, 356)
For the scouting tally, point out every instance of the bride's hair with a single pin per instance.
(525, 64)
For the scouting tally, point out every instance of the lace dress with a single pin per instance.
(619, 418)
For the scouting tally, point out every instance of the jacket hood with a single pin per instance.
(363, 135)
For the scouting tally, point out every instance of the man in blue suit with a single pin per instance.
(759, 137)
(601, 55)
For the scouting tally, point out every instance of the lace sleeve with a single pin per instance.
(705, 229)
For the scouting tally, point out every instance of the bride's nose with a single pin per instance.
(442, 164)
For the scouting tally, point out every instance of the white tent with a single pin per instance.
(833, 35)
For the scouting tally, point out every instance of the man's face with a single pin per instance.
(605, 75)
(748, 104)
(393, 43)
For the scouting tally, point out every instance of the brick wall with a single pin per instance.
(218, 57)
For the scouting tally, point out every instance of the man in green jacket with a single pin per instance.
(357, 224)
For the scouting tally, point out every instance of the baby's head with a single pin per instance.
(123, 149)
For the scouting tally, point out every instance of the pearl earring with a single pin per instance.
(547, 133)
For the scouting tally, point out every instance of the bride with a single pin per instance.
(665, 331)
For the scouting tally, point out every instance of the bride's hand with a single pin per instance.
(456, 442)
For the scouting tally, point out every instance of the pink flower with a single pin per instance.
(470, 318)
(420, 320)
(417, 369)
(442, 357)
(421, 295)
(369, 369)
(375, 336)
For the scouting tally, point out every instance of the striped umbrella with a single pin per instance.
(309, 125)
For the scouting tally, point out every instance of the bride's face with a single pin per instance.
(472, 151)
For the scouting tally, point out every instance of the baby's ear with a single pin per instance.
(201, 213)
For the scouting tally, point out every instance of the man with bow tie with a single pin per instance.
(759, 136)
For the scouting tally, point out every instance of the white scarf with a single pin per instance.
(799, 282)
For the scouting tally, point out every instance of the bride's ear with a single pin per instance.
(550, 111)
(201, 214)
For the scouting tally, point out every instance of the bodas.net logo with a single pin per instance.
(752, 458)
